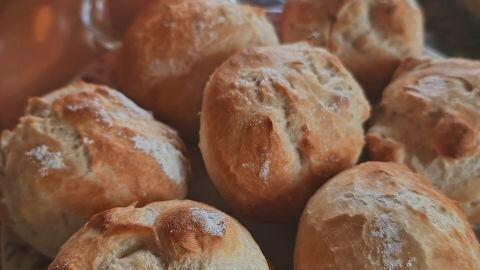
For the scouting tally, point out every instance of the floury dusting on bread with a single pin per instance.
(371, 37)
(276, 123)
(387, 233)
(213, 222)
(162, 235)
(165, 154)
(89, 180)
(438, 100)
(173, 47)
(383, 216)
(95, 106)
(67, 158)
(87, 141)
(48, 160)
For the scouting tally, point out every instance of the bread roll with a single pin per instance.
(170, 235)
(430, 121)
(175, 45)
(277, 122)
(369, 36)
(81, 150)
(379, 216)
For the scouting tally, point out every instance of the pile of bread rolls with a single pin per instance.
(94, 181)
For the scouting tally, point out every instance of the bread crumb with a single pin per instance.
(212, 222)
(48, 160)
(165, 154)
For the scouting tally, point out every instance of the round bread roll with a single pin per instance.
(175, 45)
(383, 216)
(276, 123)
(371, 37)
(171, 235)
(81, 150)
(430, 121)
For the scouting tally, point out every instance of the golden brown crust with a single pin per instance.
(430, 113)
(383, 216)
(160, 236)
(371, 37)
(81, 150)
(174, 46)
(276, 123)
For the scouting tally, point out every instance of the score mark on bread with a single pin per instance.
(162, 235)
(276, 123)
(430, 121)
(173, 47)
(371, 37)
(383, 216)
(92, 149)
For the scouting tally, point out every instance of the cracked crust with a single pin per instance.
(371, 37)
(383, 216)
(438, 101)
(76, 152)
(174, 46)
(276, 123)
(161, 236)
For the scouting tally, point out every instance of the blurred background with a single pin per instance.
(43, 43)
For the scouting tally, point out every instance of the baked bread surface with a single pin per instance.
(382, 216)
(174, 46)
(173, 235)
(430, 120)
(276, 123)
(80, 150)
(371, 37)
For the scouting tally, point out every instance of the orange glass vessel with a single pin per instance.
(43, 44)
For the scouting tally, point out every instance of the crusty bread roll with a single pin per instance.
(430, 120)
(369, 36)
(81, 150)
(383, 216)
(175, 45)
(277, 122)
(173, 235)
